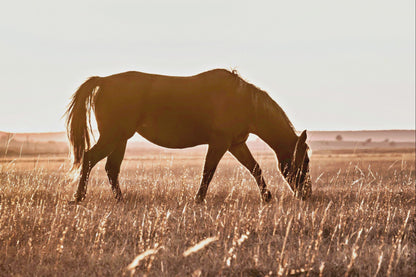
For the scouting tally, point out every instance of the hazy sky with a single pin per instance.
(329, 64)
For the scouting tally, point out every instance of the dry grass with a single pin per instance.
(359, 221)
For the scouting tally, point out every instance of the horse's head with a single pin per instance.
(295, 169)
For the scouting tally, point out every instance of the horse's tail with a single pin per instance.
(77, 118)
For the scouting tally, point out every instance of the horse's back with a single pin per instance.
(205, 92)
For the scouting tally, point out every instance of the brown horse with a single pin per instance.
(216, 107)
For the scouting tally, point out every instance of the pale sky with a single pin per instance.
(331, 65)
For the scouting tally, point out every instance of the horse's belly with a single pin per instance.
(172, 135)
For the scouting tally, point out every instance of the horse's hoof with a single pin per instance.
(76, 200)
(199, 200)
(267, 196)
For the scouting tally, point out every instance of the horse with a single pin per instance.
(216, 107)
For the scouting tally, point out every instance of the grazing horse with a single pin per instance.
(216, 107)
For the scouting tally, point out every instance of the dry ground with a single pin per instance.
(359, 221)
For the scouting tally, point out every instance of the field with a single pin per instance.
(360, 220)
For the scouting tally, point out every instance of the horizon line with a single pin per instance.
(334, 130)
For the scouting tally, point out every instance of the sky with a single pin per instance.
(331, 65)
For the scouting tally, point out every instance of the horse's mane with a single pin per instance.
(262, 100)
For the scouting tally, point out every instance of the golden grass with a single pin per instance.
(359, 221)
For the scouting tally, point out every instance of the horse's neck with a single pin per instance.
(273, 126)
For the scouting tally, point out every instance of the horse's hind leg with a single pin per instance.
(243, 155)
(99, 151)
(112, 167)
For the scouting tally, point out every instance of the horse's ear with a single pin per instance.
(302, 138)
(300, 148)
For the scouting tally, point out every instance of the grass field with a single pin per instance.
(360, 220)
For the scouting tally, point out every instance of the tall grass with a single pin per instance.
(359, 221)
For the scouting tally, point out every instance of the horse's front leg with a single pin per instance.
(214, 155)
(243, 155)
